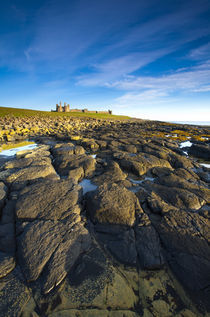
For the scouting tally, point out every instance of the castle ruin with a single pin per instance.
(66, 108)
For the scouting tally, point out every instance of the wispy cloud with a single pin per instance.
(128, 49)
(189, 79)
(200, 53)
(108, 72)
(150, 41)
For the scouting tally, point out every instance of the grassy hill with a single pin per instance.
(6, 111)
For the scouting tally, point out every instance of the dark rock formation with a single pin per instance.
(113, 204)
(200, 150)
(104, 218)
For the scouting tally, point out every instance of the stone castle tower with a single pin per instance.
(60, 108)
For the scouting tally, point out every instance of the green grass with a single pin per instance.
(15, 112)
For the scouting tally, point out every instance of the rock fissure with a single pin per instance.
(107, 251)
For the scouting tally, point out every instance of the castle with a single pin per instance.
(66, 108)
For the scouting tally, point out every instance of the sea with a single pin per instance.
(192, 122)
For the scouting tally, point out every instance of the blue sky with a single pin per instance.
(148, 59)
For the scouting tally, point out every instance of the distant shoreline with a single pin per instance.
(203, 123)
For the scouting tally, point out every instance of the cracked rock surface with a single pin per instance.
(106, 219)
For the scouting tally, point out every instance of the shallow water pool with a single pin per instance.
(87, 186)
(185, 144)
(13, 149)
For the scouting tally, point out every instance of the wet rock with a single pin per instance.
(3, 194)
(7, 237)
(178, 182)
(149, 249)
(65, 163)
(113, 266)
(130, 148)
(142, 163)
(188, 175)
(158, 290)
(52, 200)
(36, 245)
(113, 173)
(63, 149)
(161, 171)
(40, 151)
(93, 282)
(67, 149)
(79, 150)
(85, 285)
(7, 264)
(90, 144)
(94, 313)
(186, 237)
(8, 215)
(157, 150)
(158, 205)
(76, 174)
(177, 197)
(31, 173)
(204, 175)
(120, 294)
(75, 241)
(26, 162)
(179, 161)
(200, 150)
(119, 241)
(102, 144)
(14, 294)
(114, 204)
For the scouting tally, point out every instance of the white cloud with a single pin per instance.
(107, 73)
(187, 79)
(200, 53)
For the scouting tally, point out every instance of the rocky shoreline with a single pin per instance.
(104, 218)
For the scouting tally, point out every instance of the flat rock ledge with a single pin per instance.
(114, 224)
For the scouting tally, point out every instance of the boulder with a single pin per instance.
(65, 163)
(174, 196)
(112, 174)
(39, 151)
(186, 238)
(141, 163)
(3, 195)
(75, 241)
(180, 161)
(92, 282)
(150, 253)
(7, 264)
(52, 200)
(31, 173)
(67, 149)
(36, 245)
(200, 150)
(130, 148)
(179, 182)
(8, 214)
(119, 241)
(113, 204)
(7, 237)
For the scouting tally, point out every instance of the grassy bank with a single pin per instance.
(15, 112)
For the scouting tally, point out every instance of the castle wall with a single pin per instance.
(66, 108)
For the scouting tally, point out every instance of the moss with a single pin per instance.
(14, 145)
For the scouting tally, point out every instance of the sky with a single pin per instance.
(146, 59)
